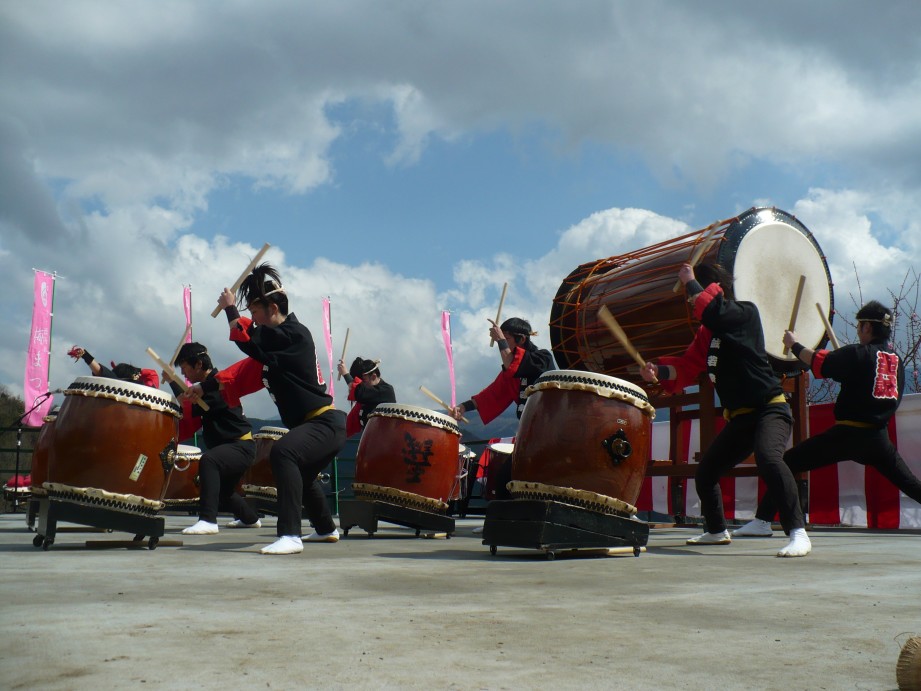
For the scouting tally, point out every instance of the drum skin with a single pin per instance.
(260, 473)
(184, 484)
(41, 451)
(411, 455)
(765, 249)
(102, 442)
(560, 442)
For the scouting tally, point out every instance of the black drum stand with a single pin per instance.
(50, 511)
(366, 514)
(552, 527)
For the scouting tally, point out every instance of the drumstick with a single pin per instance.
(239, 281)
(499, 311)
(830, 331)
(171, 373)
(796, 301)
(440, 402)
(345, 344)
(185, 335)
(702, 247)
(605, 315)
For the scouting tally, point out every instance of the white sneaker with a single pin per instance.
(328, 537)
(237, 523)
(478, 530)
(721, 538)
(799, 545)
(754, 528)
(201, 528)
(286, 544)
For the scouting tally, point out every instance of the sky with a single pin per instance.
(410, 157)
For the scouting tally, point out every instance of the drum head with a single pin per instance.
(188, 451)
(771, 251)
(503, 448)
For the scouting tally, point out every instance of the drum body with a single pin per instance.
(765, 249)
(116, 436)
(184, 485)
(411, 449)
(499, 455)
(259, 474)
(40, 454)
(586, 431)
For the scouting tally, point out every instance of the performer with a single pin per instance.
(522, 363)
(228, 437)
(284, 360)
(729, 344)
(122, 370)
(872, 381)
(366, 389)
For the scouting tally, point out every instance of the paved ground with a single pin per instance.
(397, 611)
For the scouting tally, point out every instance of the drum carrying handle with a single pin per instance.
(168, 456)
(188, 464)
(617, 446)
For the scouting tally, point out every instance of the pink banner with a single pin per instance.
(187, 305)
(38, 357)
(328, 336)
(449, 351)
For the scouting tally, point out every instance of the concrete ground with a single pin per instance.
(396, 611)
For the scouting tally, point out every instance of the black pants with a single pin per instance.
(219, 473)
(845, 443)
(764, 432)
(297, 458)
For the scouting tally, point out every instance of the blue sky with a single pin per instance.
(405, 158)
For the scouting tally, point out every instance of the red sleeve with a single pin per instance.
(150, 378)
(354, 385)
(817, 361)
(496, 397)
(517, 357)
(353, 421)
(692, 363)
(188, 425)
(240, 330)
(238, 380)
(705, 298)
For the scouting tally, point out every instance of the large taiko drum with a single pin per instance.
(258, 479)
(584, 431)
(184, 485)
(766, 250)
(408, 455)
(39, 471)
(114, 436)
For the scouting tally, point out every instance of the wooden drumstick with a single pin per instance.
(345, 344)
(796, 301)
(499, 311)
(236, 284)
(605, 315)
(702, 248)
(185, 335)
(171, 373)
(830, 331)
(440, 402)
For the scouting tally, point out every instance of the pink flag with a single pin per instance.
(328, 336)
(449, 351)
(39, 351)
(187, 305)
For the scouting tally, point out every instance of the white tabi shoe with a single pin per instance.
(286, 544)
(201, 528)
(754, 528)
(328, 537)
(799, 546)
(721, 538)
(237, 523)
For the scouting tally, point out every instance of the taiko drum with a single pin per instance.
(184, 486)
(259, 474)
(40, 453)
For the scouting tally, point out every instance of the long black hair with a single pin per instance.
(263, 286)
(707, 273)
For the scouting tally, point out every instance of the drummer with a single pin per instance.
(228, 438)
(729, 346)
(366, 389)
(283, 358)
(872, 381)
(522, 363)
(122, 371)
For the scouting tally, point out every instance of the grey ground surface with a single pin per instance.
(396, 611)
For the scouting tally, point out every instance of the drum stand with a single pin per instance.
(51, 511)
(366, 514)
(553, 526)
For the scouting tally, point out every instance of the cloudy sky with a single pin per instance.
(405, 158)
